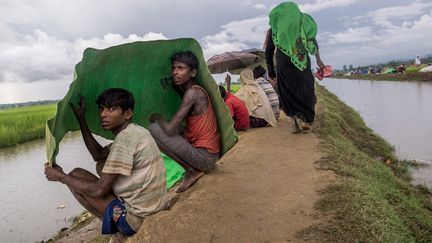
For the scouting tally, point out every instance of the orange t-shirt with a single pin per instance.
(201, 131)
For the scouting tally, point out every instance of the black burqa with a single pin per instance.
(296, 87)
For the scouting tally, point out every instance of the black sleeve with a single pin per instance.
(315, 42)
(269, 53)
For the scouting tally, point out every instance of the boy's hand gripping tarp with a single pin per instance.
(143, 68)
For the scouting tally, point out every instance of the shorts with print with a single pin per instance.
(114, 219)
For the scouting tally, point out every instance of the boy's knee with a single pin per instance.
(76, 172)
(153, 128)
(156, 131)
(207, 167)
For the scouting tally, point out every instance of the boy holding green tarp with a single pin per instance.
(197, 149)
(132, 173)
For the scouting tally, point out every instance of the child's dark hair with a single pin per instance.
(116, 97)
(222, 91)
(259, 71)
(186, 57)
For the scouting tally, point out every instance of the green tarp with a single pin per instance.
(143, 68)
(389, 70)
(174, 172)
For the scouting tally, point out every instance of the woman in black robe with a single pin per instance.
(295, 85)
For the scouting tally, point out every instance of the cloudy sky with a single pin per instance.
(42, 40)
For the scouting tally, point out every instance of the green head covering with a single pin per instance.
(293, 32)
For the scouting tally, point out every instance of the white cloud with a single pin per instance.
(250, 33)
(390, 16)
(110, 40)
(324, 4)
(360, 35)
(249, 30)
(236, 36)
(87, 19)
(34, 57)
(260, 6)
(416, 34)
(43, 40)
(318, 5)
(38, 56)
(375, 43)
(41, 90)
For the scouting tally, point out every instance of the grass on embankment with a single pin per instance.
(416, 76)
(372, 202)
(78, 222)
(23, 124)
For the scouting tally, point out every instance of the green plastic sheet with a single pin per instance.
(390, 70)
(174, 172)
(143, 68)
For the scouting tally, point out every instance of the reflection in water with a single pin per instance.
(28, 201)
(401, 112)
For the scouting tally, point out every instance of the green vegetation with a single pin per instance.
(235, 87)
(24, 123)
(29, 103)
(393, 63)
(412, 69)
(79, 222)
(372, 201)
(408, 76)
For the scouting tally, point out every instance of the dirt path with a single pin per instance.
(263, 190)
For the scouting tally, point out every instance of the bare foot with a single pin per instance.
(296, 128)
(172, 199)
(190, 178)
(305, 126)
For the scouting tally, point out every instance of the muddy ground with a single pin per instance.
(263, 190)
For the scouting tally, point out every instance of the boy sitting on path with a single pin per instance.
(132, 174)
(197, 150)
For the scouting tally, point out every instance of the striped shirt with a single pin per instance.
(141, 184)
(271, 95)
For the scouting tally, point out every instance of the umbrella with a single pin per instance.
(235, 61)
(256, 51)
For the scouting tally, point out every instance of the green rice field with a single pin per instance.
(23, 124)
(18, 125)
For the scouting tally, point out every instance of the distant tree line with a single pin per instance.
(380, 66)
(30, 103)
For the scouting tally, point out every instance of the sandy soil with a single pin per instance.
(263, 190)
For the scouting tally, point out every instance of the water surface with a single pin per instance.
(400, 112)
(31, 206)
